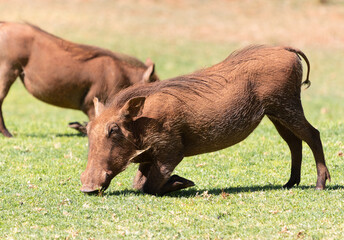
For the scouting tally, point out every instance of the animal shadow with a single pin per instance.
(192, 192)
(124, 192)
(45, 135)
(70, 134)
(189, 193)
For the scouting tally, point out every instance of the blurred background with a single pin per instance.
(297, 22)
(183, 36)
(157, 29)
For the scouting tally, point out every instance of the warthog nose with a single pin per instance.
(89, 191)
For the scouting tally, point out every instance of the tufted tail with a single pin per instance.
(300, 53)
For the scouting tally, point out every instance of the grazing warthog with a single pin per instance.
(159, 124)
(63, 73)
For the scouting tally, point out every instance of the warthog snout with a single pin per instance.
(89, 191)
(94, 182)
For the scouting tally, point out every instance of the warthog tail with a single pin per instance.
(300, 53)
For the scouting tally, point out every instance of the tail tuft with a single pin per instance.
(300, 53)
(307, 83)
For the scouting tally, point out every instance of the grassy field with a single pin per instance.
(238, 193)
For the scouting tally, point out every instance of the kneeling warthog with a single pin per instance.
(63, 73)
(158, 124)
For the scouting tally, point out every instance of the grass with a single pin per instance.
(238, 193)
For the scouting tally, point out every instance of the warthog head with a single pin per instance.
(111, 144)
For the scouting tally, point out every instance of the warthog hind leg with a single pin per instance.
(292, 117)
(295, 146)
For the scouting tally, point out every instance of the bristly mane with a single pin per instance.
(86, 52)
(180, 87)
(197, 83)
(243, 53)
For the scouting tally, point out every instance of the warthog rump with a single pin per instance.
(158, 124)
(63, 73)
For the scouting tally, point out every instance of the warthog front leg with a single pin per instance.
(174, 182)
(87, 108)
(8, 75)
(79, 127)
(141, 176)
(3, 128)
(155, 177)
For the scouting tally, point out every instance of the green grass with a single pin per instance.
(238, 190)
(238, 193)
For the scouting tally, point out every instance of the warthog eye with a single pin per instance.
(113, 128)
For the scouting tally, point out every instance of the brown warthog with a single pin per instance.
(159, 124)
(63, 73)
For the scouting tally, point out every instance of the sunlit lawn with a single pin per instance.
(238, 192)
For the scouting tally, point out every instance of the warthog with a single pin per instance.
(63, 73)
(159, 124)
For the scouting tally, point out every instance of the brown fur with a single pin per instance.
(63, 73)
(158, 124)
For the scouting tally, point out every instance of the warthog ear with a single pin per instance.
(137, 157)
(146, 78)
(132, 108)
(98, 107)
